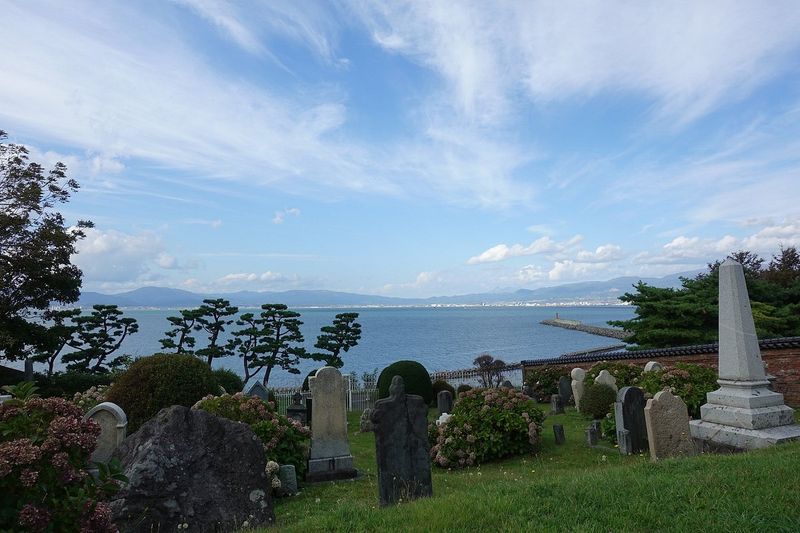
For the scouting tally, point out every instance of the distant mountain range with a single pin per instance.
(597, 292)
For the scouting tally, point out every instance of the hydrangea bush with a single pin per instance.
(45, 446)
(285, 440)
(487, 424)
(626, 374)
(90, 398)
(688, 381)
(544, 381)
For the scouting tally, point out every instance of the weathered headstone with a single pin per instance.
(401, 446)
(606, 378)
(578, 375)
(565, 389)
(556, 407)
(624, 442)
(330, 452)
(113, 428)
(506, 385)
(297, 410)
(258, 390)
(29, 370)
(591, 436)
(668, 427)
(653, 366)
(444, 401)
(629, 413)
(558, 431)
(288, 478)
(365, 422)
(743, 413)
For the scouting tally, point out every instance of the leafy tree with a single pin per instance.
(212, 317)
(35, 247)
(246, 342)
(55, 337)
(490, 370)
(179, 338)
(689, 315)
(339, 337)
(99, 335)
(280, 344)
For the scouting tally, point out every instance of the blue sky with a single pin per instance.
(409, 148)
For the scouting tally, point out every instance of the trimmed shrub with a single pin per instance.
(67, 384)
(416, 378)
(463, 388)
(690, 382)
(487, 424)
(597, 400)
(544, 381)
(285, 440)
(626, 374)
(228, 380)
(439, 385)
(305, 386)
(158, 381)
(45, 446)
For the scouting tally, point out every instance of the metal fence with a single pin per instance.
(473, 376)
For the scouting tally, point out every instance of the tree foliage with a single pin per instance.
(99, 334)
(339, 337)
(490, 370)
(212, 316)
(179, 338)
(56, 336)
(689, 315)
(280, 343)
(35, 248)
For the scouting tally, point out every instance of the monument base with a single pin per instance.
(742, 438)
(330, 468)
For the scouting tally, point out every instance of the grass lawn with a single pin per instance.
(566, 488)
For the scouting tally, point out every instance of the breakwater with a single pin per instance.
(577, 325)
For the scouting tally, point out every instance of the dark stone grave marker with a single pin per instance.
(444, 401)
(629, 413)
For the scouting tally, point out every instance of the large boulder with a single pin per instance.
(189, 467)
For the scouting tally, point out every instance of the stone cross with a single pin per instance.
(401, 446)
(606, 378)
(330, 451)
(297, 410)
(259, 391)
(444, 401)
(668, 427)
(113, 429)
(743, 413)
(578, 375)
(565, 389)
(631, 426)
(653, 366)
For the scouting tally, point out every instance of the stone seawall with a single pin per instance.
(614, 333)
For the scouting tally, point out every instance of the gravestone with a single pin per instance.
(606, 378)
(401, 446)
(624, 442)
(113, 428)
(330, 452)
(444, 401)
(668, 427)
(591, 436)
(297, 410)
(565, 389)
(743, 413)
(578, 375)
(556, 407)
(365, 422)
(653, 366)
(288, 478)
(259, 391)
(558, 431)
(29, 370)
(506, 385)
(527, 390)
(309, 409)
(629, 413)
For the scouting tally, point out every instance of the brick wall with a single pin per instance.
(784, 364)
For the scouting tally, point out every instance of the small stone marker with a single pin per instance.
(578, 375)
(605, 378)
(653, 366)
(506, 385)
(444, 418)
(558, 430)
(297, 410)
(259, 391)
(565, 389)
(113, 429)
(591, 436)
(365, 422)
(668, 427)
(444, 401)
(330, 452)
(629, 413)
(556, 407)
(288, 479)
(401, 446)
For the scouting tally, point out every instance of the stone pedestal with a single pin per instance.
(330, 452)
(743, 413)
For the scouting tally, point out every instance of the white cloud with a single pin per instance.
(280, 216)
(603, 254)
(265, 278)
(215, 223)
(569, 269)
(114, 256)
(531, 273)
(542, 245)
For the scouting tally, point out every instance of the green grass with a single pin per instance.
(566, 488)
